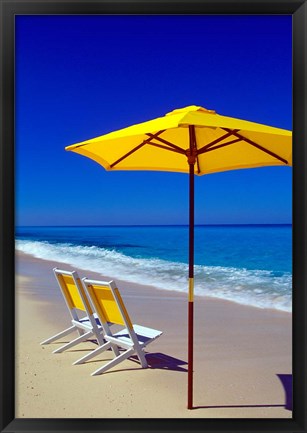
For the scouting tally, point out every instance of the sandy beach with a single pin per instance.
(242, 366)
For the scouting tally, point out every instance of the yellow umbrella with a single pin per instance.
(191, 140)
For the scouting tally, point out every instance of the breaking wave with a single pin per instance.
(258, 288)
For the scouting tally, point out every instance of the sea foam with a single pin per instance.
(258, 288)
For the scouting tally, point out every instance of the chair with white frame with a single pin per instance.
(87, 325)
(131, 339)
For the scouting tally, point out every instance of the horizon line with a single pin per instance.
(159, 225)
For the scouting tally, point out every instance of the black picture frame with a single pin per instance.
(8, 11)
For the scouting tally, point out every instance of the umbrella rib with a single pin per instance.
(135, 149)
(168, 143)
(222, 145)
(258, 146)
(204, 148)
(165, 147)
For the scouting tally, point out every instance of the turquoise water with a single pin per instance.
(250, 264)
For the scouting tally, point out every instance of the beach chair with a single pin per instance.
(77, 302)
(131, 339)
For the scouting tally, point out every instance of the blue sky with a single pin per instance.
(78, 77)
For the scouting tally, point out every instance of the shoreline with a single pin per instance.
(240, 354)
(164, 292)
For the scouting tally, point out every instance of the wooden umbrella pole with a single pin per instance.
(191, 161)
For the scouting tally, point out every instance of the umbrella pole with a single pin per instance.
(191, 160)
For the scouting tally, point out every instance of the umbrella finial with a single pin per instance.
(191, 108)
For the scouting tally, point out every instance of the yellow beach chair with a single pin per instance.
(77, 303)
(109, 306)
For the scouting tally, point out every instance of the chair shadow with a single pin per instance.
(155, 361)
(286, 380)
(165, 362)
(159, 361)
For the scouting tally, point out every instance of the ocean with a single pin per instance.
(247, 264)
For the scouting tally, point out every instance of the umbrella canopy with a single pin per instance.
(221, 143)
(191, 140)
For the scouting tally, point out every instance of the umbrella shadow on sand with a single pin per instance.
(286, 380)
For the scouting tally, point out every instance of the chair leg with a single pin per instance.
(114, 362)
(115, 349)
(142, 358)
(100, 339)
(92, 354)
(59, 335)
(96, 352)
(73, 342)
